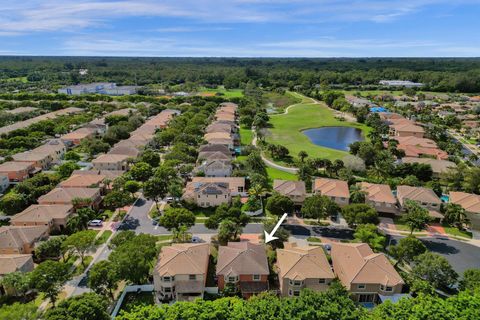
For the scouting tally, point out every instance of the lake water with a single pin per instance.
(334, 137)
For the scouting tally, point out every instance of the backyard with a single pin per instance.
(287, 129)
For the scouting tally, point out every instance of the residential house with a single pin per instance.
(4, 183)
(194, 190)
(84, 181)
(406, 129)
(438, 166)
(295, 190)
(181, 271)
(423, 196)
(243, 265)
(53, 147)
(368, 276)
(55, 217)
(380, 197)
(215, 168)
(209, 194)
(111, 162)
(21, 240)
(109, 174)
(76, 136)
(219, 127)
(215, 148)
(214, 155)
(10, 263)
(40, 161)
(16, 171)
(21, 110)
(129, 151)
(337, 190)
(417, 147)
(90, 197)
(303, 267)
(471, 203)
(221, 138)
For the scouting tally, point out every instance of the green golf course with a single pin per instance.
(287, 128)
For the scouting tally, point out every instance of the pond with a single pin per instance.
(338, 138)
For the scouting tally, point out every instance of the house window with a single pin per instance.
(232, 279)
(382, 287)
(295, 283)
(389, 289)
(322, 281)
(167, 279)
(296, 293)
(240, 189)
(361, 286)
(192, 277)
(167, 289)
(256, 277)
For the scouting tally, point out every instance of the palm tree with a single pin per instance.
(328, 167)
(357, 195)
(455, 215)
(258, 191)
(302, 155)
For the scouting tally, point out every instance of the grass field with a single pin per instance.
(20, 79)
(278, 174)
(246, 136)
(228, 93)
(286, 129)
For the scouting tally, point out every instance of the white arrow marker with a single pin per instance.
(269, 236)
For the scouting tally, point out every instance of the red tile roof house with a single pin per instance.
(111, 162)
(75, 137)
(471, 203)
(85, 181)
(91, 197)
(54, 217)
(337, 190)
(16, 171)
(368, 276)
(40, 160)
(380, 196)
(423, 196)
(245, 266)
(10, 263)
(21, 240)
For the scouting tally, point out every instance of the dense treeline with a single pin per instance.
(442, 74)
(333, 304)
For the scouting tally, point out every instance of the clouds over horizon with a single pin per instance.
(238, 27)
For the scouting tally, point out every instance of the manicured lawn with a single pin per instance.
(103, 238)
(286, 129)
(313, 239)
(456, 232)
(164, 237)
(228, 93)
(278, 174)
(246, 136)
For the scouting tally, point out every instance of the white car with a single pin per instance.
(196, 239)
(95, 223)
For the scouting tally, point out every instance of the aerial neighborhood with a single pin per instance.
(179, 199)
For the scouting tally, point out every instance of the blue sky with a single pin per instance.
(241, 28)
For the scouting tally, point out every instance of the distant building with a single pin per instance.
(400, 83)
(107, 88)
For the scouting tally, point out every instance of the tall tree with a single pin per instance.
(103, 278)
(416, 217)
(80, 243)
(49, 277)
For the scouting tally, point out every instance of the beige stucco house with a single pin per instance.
(303, 267)
(181, 271)
(337, 190)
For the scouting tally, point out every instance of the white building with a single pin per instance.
(400, 83)
(108, 88)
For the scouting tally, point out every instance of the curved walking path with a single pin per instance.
(270, 163)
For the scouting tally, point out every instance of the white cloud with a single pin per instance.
(71, 15)
(324, 47)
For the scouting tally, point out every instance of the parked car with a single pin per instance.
(95, 223)
(196, 239)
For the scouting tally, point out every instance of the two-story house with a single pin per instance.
(244, 266)
(21, 240)
(181, 271)
(423, 196)
(295, 190)
(365, 274)
(303, 267)
(380, 197)
(337, 190)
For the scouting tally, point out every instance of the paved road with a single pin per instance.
(461, 255)
(139, 221)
